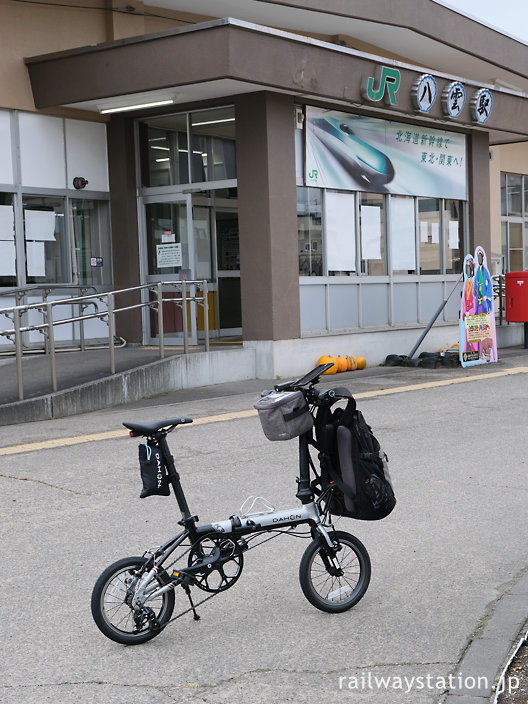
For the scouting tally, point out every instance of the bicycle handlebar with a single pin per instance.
(306, 385)
(311, 378)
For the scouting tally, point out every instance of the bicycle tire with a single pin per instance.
(332, 593)
(112, 614)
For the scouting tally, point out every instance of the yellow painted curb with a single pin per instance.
(237, 415)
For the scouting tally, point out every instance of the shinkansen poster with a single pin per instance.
(359, 153)
(478, 340)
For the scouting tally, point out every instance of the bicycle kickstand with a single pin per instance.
(188, 592)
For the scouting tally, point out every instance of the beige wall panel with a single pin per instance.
(507, 158)
(30, 30)
(513, 158)
(495, 200)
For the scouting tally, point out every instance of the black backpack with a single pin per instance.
(354, 480)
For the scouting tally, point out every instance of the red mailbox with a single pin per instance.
(517, 297)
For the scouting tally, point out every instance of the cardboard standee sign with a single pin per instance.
(478, 339)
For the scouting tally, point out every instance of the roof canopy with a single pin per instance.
(225, 57)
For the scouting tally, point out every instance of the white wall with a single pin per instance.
(53, 151)
(6, 159)
(86, 153)
(42, 151)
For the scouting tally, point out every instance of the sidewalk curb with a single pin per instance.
(490, 646)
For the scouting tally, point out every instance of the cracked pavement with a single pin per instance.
(455, 544)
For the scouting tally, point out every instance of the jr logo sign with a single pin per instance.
(384, 85)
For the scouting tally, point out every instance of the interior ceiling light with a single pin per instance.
(213, 122)
(139, 106)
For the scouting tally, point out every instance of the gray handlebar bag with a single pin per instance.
(284, 415)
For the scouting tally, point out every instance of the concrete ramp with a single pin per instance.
(152, 379)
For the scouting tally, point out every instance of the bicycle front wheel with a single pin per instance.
(112, 608)
(331, 589)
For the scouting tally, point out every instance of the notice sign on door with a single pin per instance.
(168, 255)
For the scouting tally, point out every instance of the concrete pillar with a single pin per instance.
(124, 221)
(479, 193)
(269, 269)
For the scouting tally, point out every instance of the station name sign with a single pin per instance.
(384, 86)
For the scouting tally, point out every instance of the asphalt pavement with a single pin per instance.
(449, 590)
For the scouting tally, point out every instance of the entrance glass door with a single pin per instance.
(169, 256)
(228, 271)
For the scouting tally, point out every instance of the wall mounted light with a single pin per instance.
(79, 182)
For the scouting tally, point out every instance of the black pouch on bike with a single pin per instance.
(284, 415)
(153, 472)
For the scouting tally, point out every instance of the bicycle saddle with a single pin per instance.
(154, 426)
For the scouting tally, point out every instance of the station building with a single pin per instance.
(324, 166)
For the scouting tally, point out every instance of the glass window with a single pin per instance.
(403, 235)
(525, 182)
(514, 194)
(91, 236)
(213, 156)
(504, 251)
(372, 222)
(525, 246)
(47, 256)
(515, 242)
(429, 233)
(228, 247)
(202, 242)
(164, 151)
(453, 236)
(167, 243)
(7, 241)
(310, 232)
(164, 147)
(340, 233)
(504, 204)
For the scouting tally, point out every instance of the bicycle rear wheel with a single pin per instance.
(321, 582)
(111, 604)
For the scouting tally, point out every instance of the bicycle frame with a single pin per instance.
(235, 527)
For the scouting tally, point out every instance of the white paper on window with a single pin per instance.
(403, 249)
(36, 258)
(424, 231)
(7, 258)
(435, 232)
(453, 240)
(370, 232)
(340, 231)
(7, 223)
(40, 225)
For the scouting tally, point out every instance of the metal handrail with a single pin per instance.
(47, 327)
(19, 292)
